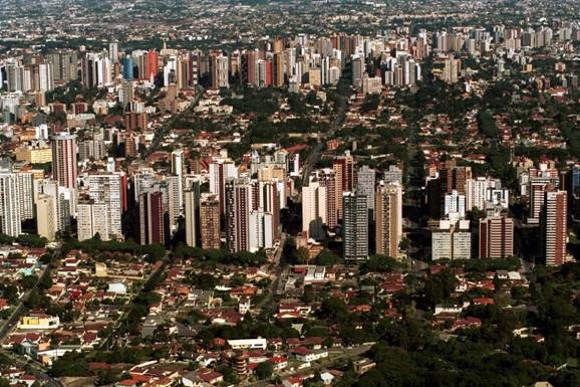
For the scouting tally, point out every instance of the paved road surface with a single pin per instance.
(314, 156)
(272, 289)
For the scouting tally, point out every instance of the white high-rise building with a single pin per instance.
(105, 188)
(25, 194)
(261, 232)
(497, 198)
(261, 72)
(219, 66)
(10, 102)
(451, 240)
(10, 218)
(454, 204)
(143, 181)
(313, 208)
(476, 192)
(45, 81)
(111, 164)
(102, 72)
(170, 71)
(93, 219)
(393, 175)
(219, 172)
(114, 52)
(269, 202)
(178, 169)
(175, 200)
(41, 132)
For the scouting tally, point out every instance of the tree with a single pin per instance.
(228, 373)
(35, 299)
(204, 281)
(476, 214)
(9, 292)
(487, 125)
(327, 258)
(45, 282)
(5, 361)
(70, 364)
(29, 281)
(380, 263)
(370, 103)
(439, 287)
(301, 255)
(334, 310)
(264, 370)
(308, 295)
(106, 377)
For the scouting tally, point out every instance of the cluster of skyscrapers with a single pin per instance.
(352, 200)
(241, 205)
(453, 192)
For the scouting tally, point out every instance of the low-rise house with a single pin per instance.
(364, 365)
(327, 378)
(279, 362)
(294, 381)
(468, 322)
(258, 343)
(150, 325)
(192, 380)
(307, 342)
(210, 376)
(200, 298)
(117, 287)
(306, 355)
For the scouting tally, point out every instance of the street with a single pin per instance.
(316, 152)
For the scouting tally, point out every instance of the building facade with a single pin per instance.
(64, 159)
(554, 227)
(496, 237)
(389, 219)
(355, 227)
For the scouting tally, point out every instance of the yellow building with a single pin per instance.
(39, 321)
(46, 217)
(315, 77)
(271, 172)
(34, 155)
(27, 135)
(37, 174)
